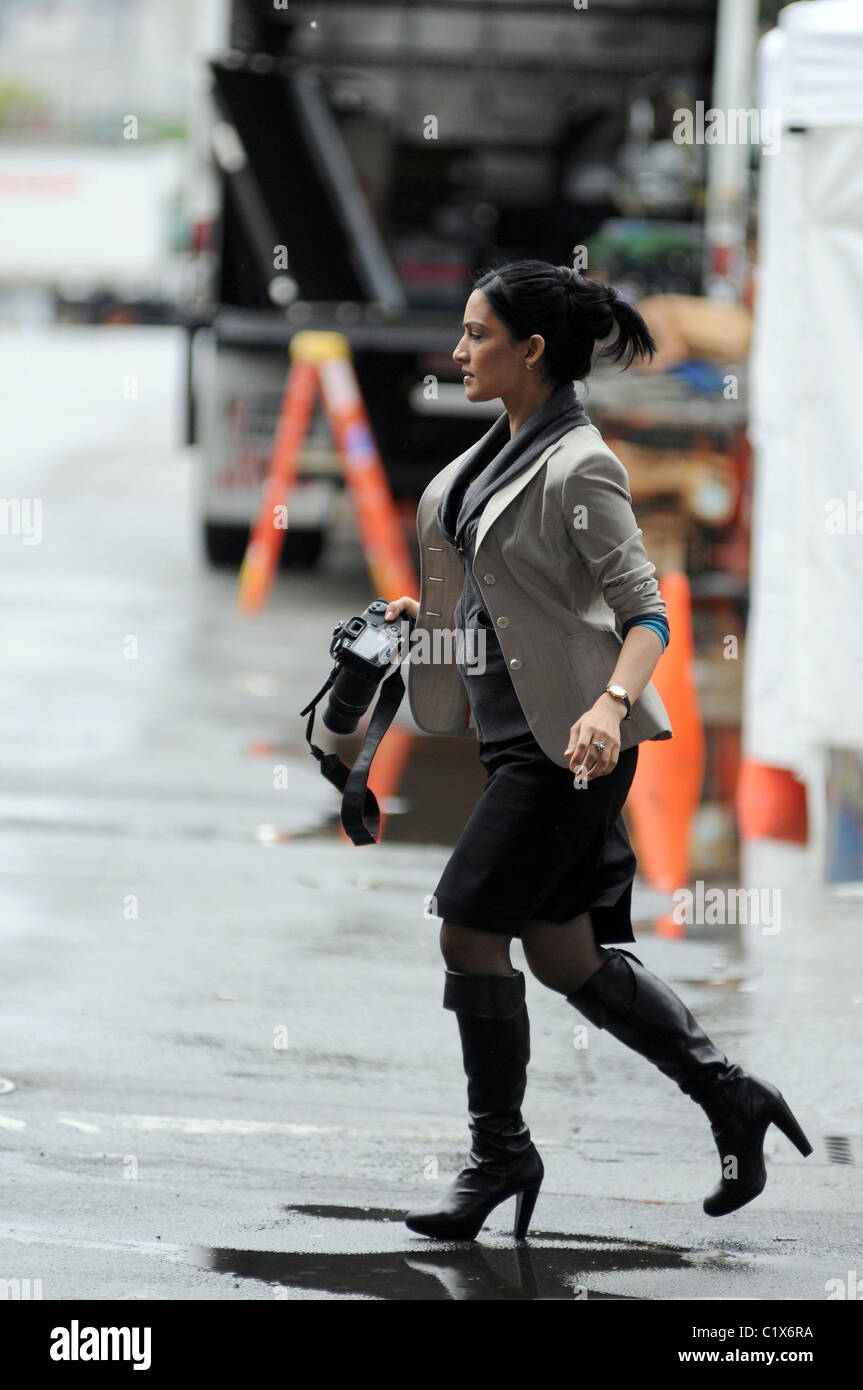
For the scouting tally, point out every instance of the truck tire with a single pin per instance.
(225, 546)
(302, 548)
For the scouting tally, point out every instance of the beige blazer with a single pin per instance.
(561, 565)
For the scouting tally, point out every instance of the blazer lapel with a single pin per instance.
(502, 498)
(495, 504)
(428, 502)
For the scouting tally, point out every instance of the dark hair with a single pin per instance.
(570, 311)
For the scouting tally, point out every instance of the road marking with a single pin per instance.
(162, 1248)
(195, 1124)
(199, 1125)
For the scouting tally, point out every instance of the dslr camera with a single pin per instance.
(364, 648)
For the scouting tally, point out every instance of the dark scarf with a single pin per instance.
(500, 458)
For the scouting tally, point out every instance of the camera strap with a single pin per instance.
(360, 814)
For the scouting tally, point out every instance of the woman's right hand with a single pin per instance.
(398, 605)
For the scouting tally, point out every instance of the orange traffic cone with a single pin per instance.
(666, 792)
(771, 804)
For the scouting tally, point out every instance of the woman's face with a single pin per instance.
(491, 366)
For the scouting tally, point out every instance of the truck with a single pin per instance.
(366, 161)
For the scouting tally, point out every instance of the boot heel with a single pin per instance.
(784, 1120)
(524, 1205)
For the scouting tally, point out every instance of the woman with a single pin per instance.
(534, 524)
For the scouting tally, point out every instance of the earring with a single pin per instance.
(529, 366)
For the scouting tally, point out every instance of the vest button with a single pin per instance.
(503, 622)
(515, 664)
(488, 578)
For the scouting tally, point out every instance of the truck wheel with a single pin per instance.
(225, 545)
(302, 548)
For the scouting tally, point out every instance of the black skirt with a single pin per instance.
(537, 846)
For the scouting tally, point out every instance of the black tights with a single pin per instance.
(562, 955)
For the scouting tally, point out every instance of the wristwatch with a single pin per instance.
(618, 692)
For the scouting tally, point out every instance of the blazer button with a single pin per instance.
(503, 622)
(488, 578)
(515, 664)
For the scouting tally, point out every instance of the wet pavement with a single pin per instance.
(231, 1071)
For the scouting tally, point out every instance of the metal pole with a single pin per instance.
(728, 160)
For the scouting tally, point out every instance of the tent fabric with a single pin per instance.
(804, 652)
(823, 58)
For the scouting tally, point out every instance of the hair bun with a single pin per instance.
(570, 311)
(589, 300)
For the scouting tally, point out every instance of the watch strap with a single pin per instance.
(624, 697)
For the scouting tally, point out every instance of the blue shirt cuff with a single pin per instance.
(656, 621)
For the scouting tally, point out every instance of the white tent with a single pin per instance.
(803, 679)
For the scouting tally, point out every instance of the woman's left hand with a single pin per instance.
(601, 723)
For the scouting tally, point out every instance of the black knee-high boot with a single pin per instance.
(495, 1036)
(643, 1012)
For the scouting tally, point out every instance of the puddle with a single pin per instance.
(551, 1265)
(426, 787)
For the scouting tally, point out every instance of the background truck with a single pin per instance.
(367, 159)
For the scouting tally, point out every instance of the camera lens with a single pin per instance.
(349, 699)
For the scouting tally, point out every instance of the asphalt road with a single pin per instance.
(232, 1073)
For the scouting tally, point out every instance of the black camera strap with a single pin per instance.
(360, 812)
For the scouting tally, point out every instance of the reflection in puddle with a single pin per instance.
(551, 1265)
(426, 788)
